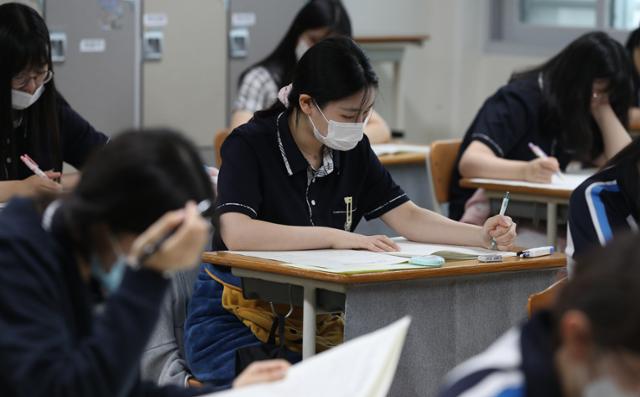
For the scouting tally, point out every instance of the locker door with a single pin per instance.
(100, 74)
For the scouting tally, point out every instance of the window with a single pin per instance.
(545, 26)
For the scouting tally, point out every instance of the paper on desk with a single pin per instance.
(392, 148)
(334, 261)
(567, 182)
(362, 367)
(451, 252)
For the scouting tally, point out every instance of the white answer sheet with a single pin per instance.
(335, 261)
(566, 182)
(362, 367)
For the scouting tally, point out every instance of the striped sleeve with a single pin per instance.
(589, 218)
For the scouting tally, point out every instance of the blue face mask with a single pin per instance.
(112, 279)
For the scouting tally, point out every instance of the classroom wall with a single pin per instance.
(445, 81)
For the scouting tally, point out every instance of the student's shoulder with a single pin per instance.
(258, 75)
(499, 366)
(255, 133)
(604, 180)
(524, 91)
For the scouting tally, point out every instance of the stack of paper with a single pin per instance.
(392, 148)
(450, 252)
(363, 367)
(335, 261)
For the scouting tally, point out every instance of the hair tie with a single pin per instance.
(283, 95)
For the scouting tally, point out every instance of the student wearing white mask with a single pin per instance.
(301, 176)
(586, 345)
(259, 84)
(34, 118)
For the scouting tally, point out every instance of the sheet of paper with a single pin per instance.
(362, 367)
(335, 261)
(567, 182)
(410, 248)
(392, 148)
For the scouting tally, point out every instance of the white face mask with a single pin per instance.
(340, 136)
(21, 100)
(605, 387)
(301, 48)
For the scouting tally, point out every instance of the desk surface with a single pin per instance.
(406, 39)
(460, 268)
(403, 158)
(528, 190)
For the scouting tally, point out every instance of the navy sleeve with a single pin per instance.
(583, 232)
(78, 138)
(502, 122)
(41, 356)
(239, 178)
(380, 194)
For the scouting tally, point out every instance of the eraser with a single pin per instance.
(428, 260)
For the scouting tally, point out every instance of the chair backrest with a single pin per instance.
(545, 299)
(442, 159)
(218, 140)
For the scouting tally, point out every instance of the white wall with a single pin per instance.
(445, 81)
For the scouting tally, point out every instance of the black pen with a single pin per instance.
(150, 249)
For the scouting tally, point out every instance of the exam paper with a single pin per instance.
(411, 248)
(335, 261)
(567, 182)
(362, 367)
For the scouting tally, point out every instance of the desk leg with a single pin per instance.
(552, 224)
(309, 323)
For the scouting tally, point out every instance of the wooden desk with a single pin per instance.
(403, 159)
(551, 197)
(457, 310)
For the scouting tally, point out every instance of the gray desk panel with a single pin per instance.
(453, 319)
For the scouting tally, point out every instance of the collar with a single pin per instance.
(538, 350)
(292, 157)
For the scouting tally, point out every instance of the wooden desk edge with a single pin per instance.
(462, 268)
(563, 194)
(403, 158)
(409, 39)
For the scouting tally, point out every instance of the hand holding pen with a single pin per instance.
(41, 182)
(543, 168)
(500, 231)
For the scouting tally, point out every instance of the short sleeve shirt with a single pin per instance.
(265, 176)
(258, 91)
(506, 123)
(599, 209)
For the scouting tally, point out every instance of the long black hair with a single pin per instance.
(131, 182)
(633, 42)
(567, 87)
(315, 14)
(24, 44)
(605, 288)
(333, 69)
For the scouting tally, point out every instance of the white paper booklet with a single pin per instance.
(451, 252)
(392, 148)
(567, 182)
(362, 367)
(335, 261)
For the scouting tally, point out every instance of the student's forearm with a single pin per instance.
(421, 225)
(614, 136)
(377, 129)
(254, 235)
(477, 164)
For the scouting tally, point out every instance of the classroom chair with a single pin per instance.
(218, 140)
(545, 299)
(442, 159)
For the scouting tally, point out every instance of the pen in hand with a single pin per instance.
(503, 210)
(542, 155)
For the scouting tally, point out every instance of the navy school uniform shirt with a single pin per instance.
(77, 140)
(599, 208)
(506, 123)
(520, 363)
(53, 340)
